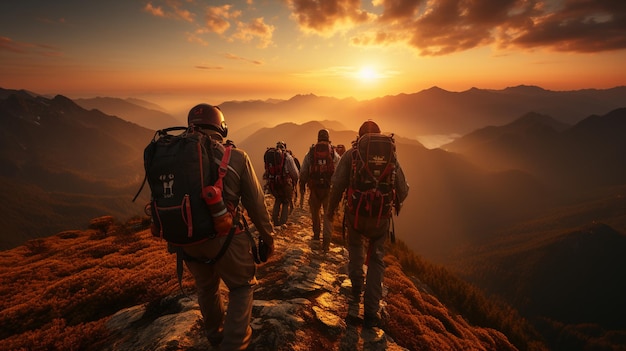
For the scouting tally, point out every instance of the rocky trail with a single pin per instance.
(301, 303)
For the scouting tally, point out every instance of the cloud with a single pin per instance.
(216, 18)
(60, 21)
(327, 16)
(7, 44)
(441, 27)
(235, 57)
(255, 29)
(579, 26)
(195, 38)
(155, 11)
(210, 67)
(173, 10)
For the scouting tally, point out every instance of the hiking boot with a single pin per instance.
(356, 292)
(216, 341)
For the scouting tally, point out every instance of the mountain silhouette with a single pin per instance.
(433, 111)
(140, 112)
(63, 165)
(586, 155)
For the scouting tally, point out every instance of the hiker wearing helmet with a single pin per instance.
(236, 267)
(317, 169)
(375, 186)
(281, 175)
(341, 149)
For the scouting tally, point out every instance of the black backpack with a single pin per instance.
(186, 185)
(178, 168)
(322, 165)
(274, 159)
(371, 191)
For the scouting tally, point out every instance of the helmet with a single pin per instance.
(341, 149)
(205, 115)
(369, 126)
(322, 135)
(281, 145)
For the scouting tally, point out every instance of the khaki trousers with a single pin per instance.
(236, 268)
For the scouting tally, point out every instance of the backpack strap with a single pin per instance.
(180, 253)
(223, 169)
(283, 155)
(145, 176)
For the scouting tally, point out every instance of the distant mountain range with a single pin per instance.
(433, 111)
(143, 113)
(587, 154)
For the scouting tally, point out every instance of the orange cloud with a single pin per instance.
(155, 11)
(235, 57)
(327, 16)
(173, 11)
(216, 18)
(440, 27)
(210, 67)
(255, 29)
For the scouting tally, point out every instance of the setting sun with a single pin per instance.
(367, 74)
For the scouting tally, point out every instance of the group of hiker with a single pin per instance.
(366, 179)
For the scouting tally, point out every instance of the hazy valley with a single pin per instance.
(527, 202)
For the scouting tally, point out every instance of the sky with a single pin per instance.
(178, 51)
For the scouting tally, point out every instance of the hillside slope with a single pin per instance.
(112, 288)
(63, 165)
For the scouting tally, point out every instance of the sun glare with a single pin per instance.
(367, 74)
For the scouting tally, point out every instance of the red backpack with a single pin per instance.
(274, 159)
(322, 165)
(371, 192)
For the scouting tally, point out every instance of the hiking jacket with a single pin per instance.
(241, 185)
(341, 180)
(306, 164)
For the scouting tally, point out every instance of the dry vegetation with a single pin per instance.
(58, 292)
(457, 295)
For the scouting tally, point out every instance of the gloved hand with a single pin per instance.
(266, 247)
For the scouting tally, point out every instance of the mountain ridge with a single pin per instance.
(436, 110)
(143, 113)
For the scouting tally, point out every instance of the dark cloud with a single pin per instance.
(580, 26)
(446, 26)
(327, 15)
(439, 27)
